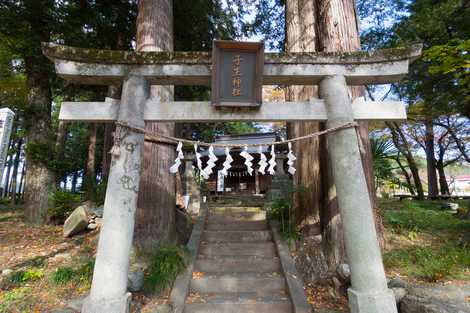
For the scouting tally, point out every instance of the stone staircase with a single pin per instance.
(237, 268)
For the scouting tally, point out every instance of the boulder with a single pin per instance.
(92, 226)
(184, 225)
(397, 282)
(450, 206)
(7, 272)
(135, 280)
(399, 293)
(76, 222)
(437, 299)
(96, 211)
(344, 272)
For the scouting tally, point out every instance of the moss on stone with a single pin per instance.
(53, 51)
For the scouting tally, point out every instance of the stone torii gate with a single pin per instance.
(136, 71)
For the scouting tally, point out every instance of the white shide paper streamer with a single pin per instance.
(227, 164)
(179, 149)
(262, 162)
(290, 160)
(199, 163)
(248, 158)
(272, 162)
(211, 162)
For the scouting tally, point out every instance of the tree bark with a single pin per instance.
(90, 178)
(444, 186)
(301, 37)
(59, 146)
(40, 180)
(114, 92)
(8, 164)
(23, 172)
(433, 189)
(155, 215)
(407, 176)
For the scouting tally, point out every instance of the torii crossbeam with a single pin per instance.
(136, 71)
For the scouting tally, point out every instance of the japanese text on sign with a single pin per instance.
(236, 76)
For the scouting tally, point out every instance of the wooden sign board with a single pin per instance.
(237, 73)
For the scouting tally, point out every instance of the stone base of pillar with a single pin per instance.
(120, 305)
(383, 302)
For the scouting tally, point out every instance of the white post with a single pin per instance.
(369, 292)
(6, 123)
(109, 287)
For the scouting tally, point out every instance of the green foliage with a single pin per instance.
(281, 211)
(23, 276)
(165, 264)
(63, 275)
(429, 263)
(64, 202)
(417, 216)
(81, 274)
(13, 299)
(382, 152)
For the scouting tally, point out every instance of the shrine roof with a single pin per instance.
(61, 52)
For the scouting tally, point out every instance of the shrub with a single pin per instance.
(80, 275)
(64, 202)
(165, 264)
(24, 276)
(63, 275)
(281, 211)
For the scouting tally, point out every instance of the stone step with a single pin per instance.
(236, 225)
(233, 209)
(239, 303)
(262, 249)
(261, 284)
(237, 216)
(236, 235)
(237, 264)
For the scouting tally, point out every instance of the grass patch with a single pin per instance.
(431, 263)
(13, 300)
(165, 264)
(416, 216)
(81, 275)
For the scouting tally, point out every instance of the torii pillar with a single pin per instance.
(333, 72)
(109, 286)
(369, 292)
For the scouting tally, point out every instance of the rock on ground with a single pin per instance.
(76, 222)
(135, 280)
(437, 299)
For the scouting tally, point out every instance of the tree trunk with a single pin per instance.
(40, 180)
(114, 92)
(16, 164)
(433, 189)
(407, 176)
(8, 165)
(23, 172)
(90, 178)
(397, 136)
(155, 215)
(338, 31)
(301, 37)
(59, 146)
(444, 186)
(73, 188)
